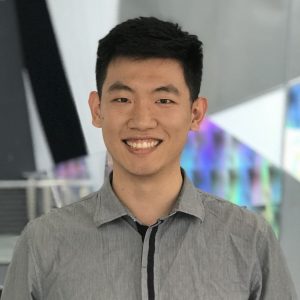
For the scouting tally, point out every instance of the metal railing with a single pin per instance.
(50, 192)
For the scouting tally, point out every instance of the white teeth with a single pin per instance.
(140, 144)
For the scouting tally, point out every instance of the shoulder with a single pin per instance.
(233, 219)
(80, 209)
(59, 221)
(47, 236)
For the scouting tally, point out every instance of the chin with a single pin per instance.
(143, 171)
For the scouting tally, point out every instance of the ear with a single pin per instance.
(94, 103)
(199, 108)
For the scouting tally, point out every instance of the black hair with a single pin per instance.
(149, 37)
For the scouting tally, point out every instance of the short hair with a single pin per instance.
(149, 37)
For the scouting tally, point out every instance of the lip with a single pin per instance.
(141, 139)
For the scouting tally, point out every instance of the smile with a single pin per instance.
(142, 143)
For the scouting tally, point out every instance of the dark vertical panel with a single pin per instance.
(16, 151)
(52, 93)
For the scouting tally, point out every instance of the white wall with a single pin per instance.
(78, 26)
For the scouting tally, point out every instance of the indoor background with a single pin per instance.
(50, 154)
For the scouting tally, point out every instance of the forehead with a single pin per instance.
(145, 73)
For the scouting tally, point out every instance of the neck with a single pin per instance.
(148, 197)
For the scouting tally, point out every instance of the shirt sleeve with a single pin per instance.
(21, 281)
(273, 280)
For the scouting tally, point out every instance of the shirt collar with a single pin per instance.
(189, 200)
(110, 208)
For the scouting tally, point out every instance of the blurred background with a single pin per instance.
(247, 151)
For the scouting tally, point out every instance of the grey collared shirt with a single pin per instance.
(206, 248)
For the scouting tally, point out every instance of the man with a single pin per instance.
(148, 233)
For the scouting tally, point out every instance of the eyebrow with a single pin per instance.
(119, 86)
(168, 88)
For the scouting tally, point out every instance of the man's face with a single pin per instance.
(145, 114)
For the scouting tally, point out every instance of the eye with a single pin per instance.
(121, 100)
(164, 101)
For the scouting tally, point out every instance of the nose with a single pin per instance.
(142, 117)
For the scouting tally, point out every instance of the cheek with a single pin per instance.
(112, 128)
(109, 132)
(180, 124)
